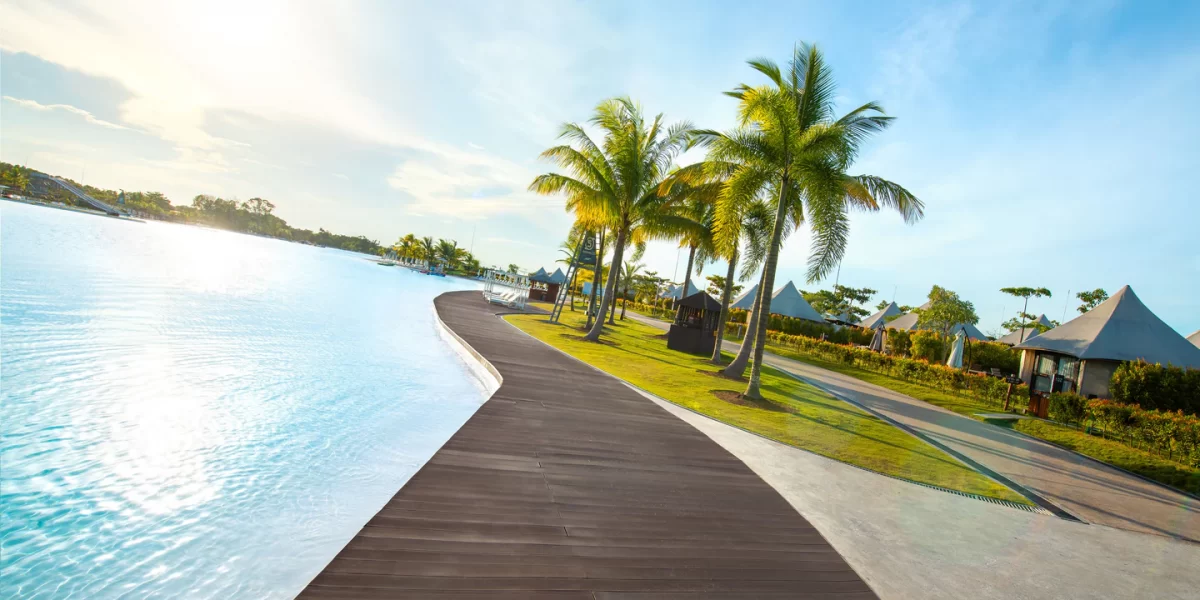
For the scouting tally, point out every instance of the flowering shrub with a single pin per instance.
(1175, 435)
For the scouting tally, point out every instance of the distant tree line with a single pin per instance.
(255, 216)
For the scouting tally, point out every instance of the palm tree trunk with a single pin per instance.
(616, 276)
(687, 274)
(624, 300)
(742, 360)
(596, 280)
(760, 339)
(725, 297)
(610, 289)
(574, 280)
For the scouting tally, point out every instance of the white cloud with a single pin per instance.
(341, 176)
(475, 146)
(469, 186)
(87, 116)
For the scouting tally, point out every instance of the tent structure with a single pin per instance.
(908, 322)
(785, 302)
(675, 292)
(745, 301)
(1014, 338)
(842, 319)
(545, 287)
(558, 277)
(1082, 354)
(879, 319)
(1195, 338)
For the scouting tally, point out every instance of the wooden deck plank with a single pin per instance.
(584, 490)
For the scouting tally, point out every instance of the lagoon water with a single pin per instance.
(195, 413)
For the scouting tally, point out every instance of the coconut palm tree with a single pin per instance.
(790, 144)
(628, 280)
(428, 250)
(407, 246)
(616, 183)
(447, 252)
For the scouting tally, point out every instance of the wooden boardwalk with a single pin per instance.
(567, 484)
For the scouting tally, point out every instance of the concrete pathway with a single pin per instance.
(908, 541)
(1084, 488)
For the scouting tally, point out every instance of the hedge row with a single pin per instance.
(990, 390)
(1156, 387)
(1174, 435)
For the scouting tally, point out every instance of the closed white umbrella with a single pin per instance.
(877, 341)
(956, 353)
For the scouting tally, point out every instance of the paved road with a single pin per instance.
(1086, 489)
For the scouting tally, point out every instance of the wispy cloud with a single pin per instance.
(341, 176)
(475, 146)
(87, 116)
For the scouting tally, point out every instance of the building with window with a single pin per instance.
(1081, 355)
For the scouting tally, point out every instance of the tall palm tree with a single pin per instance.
(407, 246)
(628, 278)
(789, 143)
(447, 251)
(428, 250)
(616, 183)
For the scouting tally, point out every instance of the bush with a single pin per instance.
(899, 342)
(1154, 386)
(1067, 407)
(991, 355)
(651, 310)
(928, 345)
(1175, 435)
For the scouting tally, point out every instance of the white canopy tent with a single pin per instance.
(1195, 338)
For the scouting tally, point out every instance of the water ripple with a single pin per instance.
(196, 413)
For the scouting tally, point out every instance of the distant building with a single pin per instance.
(879, 319)
(1014, 338)
(785, 302)
(1082, 354)
(908, 322)
(675, 292)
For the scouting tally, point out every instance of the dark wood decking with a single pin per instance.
(566, 484)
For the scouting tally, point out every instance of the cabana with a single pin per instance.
(1014, 338)
(695, 326)
(880, 318)
(1195, 338)
(1081, 355)
(544, 286)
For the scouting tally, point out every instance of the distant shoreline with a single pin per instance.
(76, 209)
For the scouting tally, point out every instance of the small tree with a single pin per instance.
(513, 268)
(1091, 299)
(716, 286)
(1026, 293)
(945, 311)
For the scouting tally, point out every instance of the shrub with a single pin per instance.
(927, 345)
(1154, 386)
(1175, 435)
(1067, 407)
(899, 342)
(991, 355)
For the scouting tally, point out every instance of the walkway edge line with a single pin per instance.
(480, 367)
(1016, 487)
(1037, 509)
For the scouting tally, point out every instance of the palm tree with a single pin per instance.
(428, 250)
(447, 251)
(790, 144)
(628, 277)
(616, 185)
(407, 246)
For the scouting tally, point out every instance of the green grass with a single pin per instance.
(1114, 453)
(795, 413)
(962, 405)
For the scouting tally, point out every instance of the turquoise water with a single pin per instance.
(202, 414)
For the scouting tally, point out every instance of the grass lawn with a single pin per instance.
(795, 413)
(1114, 453)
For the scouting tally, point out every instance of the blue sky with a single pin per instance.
(1052, 143)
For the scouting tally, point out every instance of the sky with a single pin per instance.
(1050, 141)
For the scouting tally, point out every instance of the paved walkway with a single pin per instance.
(1084, 488)
(568, 484)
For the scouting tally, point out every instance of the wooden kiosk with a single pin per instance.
(695, 326)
